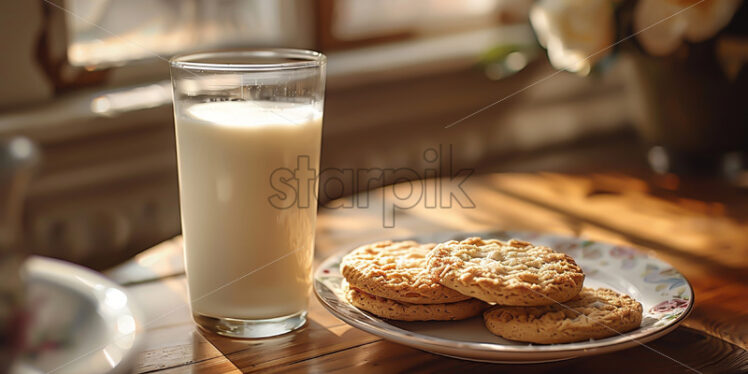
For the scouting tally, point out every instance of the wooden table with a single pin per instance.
(699, 227)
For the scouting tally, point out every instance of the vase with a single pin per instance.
(692, 112)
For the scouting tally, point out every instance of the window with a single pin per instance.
(113, 32)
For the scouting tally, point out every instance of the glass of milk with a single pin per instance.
(248, 128)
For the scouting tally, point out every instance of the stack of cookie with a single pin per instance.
(390, 279)
(537, 293)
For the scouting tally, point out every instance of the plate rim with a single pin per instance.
(575, 349)
(73, 277)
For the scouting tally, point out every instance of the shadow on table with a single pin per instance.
(690, 347)
(310, 341)
(316, 348)
(678, 352)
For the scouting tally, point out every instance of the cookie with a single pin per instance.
(593, 314)
(507, 273)
(397, 271)
(391, 309)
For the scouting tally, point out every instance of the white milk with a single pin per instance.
(245, 258)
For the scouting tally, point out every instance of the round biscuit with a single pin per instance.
(593, 314)
(507, 273)
(395, 310)
(397, 271)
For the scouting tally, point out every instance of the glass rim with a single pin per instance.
(306, 59)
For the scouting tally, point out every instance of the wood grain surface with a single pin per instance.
(699, 227)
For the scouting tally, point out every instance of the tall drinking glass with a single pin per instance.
(248, 128)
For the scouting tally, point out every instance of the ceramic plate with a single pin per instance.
(80, 321)
(664, 293)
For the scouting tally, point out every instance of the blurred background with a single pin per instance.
(87, 82)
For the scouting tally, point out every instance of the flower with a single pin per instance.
(628, 256)
(653, 274)
(662, 25)
(576, 33)
(624, 252)
(670, 305)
